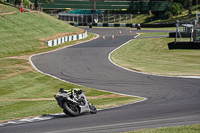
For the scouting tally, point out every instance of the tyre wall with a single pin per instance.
(183, 45)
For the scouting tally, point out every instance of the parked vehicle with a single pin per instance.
(74, 102)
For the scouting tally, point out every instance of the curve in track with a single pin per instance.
(171, 101)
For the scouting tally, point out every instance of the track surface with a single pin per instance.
(171, 101)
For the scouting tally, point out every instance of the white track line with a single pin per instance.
(54, 116)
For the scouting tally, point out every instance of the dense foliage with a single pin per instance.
(177, 8)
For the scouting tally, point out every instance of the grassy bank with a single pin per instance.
(23, 33)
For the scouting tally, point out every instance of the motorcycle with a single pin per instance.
(74, 102)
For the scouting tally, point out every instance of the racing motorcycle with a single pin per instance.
(74, 102)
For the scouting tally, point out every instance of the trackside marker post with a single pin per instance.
(113, 37)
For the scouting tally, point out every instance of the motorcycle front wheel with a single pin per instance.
(93, 109)
(71, 109)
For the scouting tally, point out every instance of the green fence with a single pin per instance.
(106, 5)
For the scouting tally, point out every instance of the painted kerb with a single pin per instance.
(66, 39)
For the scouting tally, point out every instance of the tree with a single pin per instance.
(186, 4)
(36, 4)
(190, 7)
(16, 2)
(176, 8)
(21, 3)
(149, 9)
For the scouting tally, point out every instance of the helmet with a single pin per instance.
(78, 91)
(61, 90)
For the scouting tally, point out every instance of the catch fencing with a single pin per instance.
(97, 18)
(7, 9)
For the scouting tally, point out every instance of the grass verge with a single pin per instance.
(179, 129)
(147, 34)
(151, 55)
(161, 28)
(19, 109)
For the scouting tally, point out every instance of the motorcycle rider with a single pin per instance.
(75, 93)
(74, 102)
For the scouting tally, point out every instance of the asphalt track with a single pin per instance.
(171, 101)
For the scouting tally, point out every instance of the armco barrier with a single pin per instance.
(66, 39)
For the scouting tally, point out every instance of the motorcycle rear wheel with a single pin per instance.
(93, 109)
(71, 109)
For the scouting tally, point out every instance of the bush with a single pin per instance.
(177, 8)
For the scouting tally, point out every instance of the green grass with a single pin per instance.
(151, 55)
(179, 129)
(103, 103)
(31, 85)
(7, 66)
(147, 34)
(20, 32)
(18, 109)
(161, 28)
